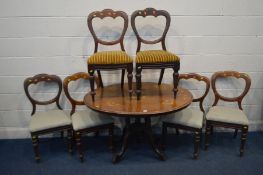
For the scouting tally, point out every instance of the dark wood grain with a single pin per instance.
(107, 13)
(43, 78)
(234, 74)
(155, 100)
(150, 12)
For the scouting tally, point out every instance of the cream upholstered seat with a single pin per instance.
(227, 115)
(48, 119)
(86, 121)
(44, 122)
(187, 117)
(88, 118)
(219, 116)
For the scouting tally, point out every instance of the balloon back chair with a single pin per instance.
(86, 121)
(44, 122)
(109, 60)
(154, 59)
(219, 116)
(189, 119)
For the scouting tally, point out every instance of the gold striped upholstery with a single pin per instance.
(155, 56)
(110, 57)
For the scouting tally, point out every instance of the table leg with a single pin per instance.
(117, 157)
(149, 133)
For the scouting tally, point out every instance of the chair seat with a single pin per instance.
(156, 56)
(187, 117)
(88, 118)
(48, 119)
(227, 115)
(110, 57)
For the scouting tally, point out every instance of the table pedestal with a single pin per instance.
(136, 129)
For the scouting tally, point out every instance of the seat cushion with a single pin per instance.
(187, 117)
(88, 118)
(227, 115)
(155, 56)
(110, 57)
(48, 119)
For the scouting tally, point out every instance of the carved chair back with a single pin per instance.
(74, 77)
(43, 78)
(234, 74)
(198, 78)
(150, 12)
(107, 13)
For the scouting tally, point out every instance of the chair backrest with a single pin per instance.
(43, 78)
(74, 77)
(150, 12)
(198, 78)
(107, 13)
(233, 74)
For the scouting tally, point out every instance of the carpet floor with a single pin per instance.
(222, 157)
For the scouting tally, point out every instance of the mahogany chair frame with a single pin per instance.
(34, 135)
(74, 103)
(97, 67)
(210, 124)
(158, 65)
(197, 132)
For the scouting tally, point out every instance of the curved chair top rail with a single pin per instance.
(107, 13)
(43, 78)
(74, 77)
(198, 78)
(234, 74)
(150, 12)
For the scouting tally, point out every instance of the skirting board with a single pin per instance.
(19, 133)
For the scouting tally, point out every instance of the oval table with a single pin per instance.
(156, 100)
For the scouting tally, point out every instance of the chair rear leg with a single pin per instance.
(177, 131)
(111, 136)
(164, 134)
(175, 79)
(78, 142)
(207, 134)
(35, 147)
(99, 76)
(122, 77)
(129, 76)
(197, 136)
(235, 133)
(243, 140)
(138, 81)
(62, 134)
(161, 76)
(70, 140)
(91, 73)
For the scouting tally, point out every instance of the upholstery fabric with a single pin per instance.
(48, 119)
(88, 118)
(155, 56)
(187, 117)
(227, 115)
(109, 57)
